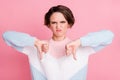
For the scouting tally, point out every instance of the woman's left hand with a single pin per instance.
(72, 47)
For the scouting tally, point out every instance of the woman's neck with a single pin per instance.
(56, 38)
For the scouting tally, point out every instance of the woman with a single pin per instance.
(58, 58)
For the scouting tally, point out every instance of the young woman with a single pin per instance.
(58, 58)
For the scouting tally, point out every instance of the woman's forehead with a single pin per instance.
(57, 16)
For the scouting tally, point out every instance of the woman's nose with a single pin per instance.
(58, 25)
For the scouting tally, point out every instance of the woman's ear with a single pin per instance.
(48, 25)
(69, 26)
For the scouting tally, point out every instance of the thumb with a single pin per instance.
(40, 53)
(68, 50)
(74, 52)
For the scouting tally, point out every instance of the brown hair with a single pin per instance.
(62, 9)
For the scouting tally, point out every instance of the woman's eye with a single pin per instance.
(63, 22)
(53, 22)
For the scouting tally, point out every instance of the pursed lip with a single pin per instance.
(58, 30)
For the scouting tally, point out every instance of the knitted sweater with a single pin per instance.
(55, 65)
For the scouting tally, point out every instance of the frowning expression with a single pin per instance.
(58, 24)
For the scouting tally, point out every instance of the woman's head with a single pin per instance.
(67, 13)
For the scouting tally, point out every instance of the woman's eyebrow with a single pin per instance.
(56, 21)
(62, 21)
(53, 21)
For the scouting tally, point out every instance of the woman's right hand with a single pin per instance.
(42, 46)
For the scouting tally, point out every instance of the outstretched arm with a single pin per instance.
(96, 40)
(19, 41)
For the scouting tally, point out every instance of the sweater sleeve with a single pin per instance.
(97, 40)
(18, 40)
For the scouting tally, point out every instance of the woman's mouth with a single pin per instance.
(58, 30)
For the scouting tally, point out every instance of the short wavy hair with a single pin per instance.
(67, 13)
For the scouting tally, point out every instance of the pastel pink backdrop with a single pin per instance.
(91, 15)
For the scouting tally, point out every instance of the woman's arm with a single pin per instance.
(97, 40)
(18, 40)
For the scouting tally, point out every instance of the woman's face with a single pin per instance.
(58, 24)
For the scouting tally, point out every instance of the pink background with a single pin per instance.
(91, 15)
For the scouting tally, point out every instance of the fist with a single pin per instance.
(42, 47)
(72, 47)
